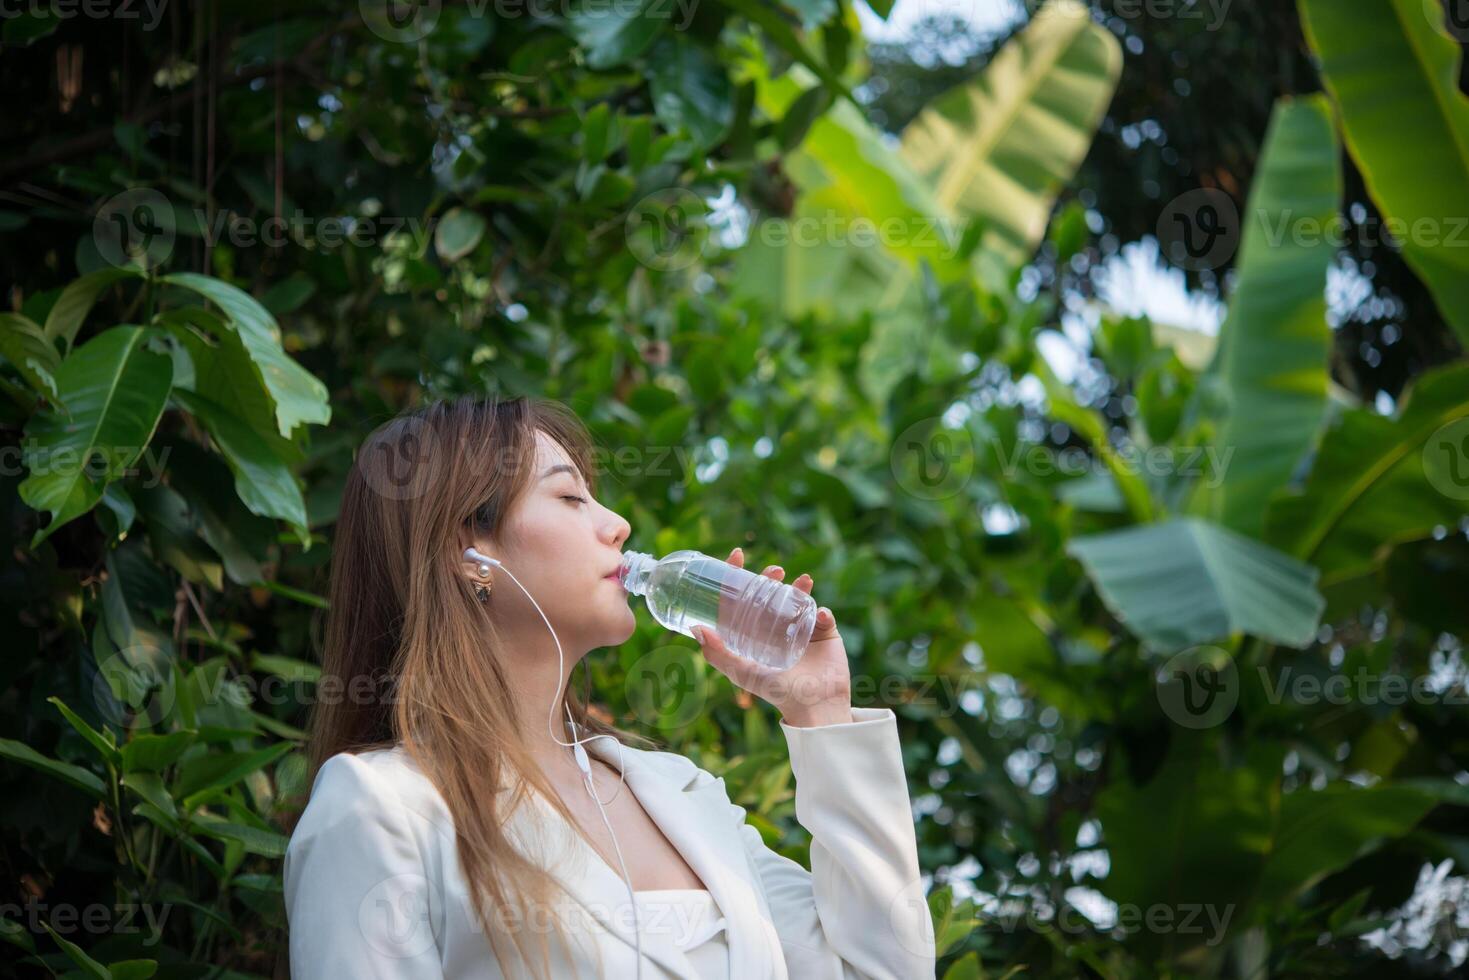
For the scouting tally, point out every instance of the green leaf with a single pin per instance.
(221, 770)
(782, 34)
(77, 300)
(850, 181)
(1322, 831)
(691, 90)
(114, 391)
(1186, 581)
(102, 741)
(458, 232)
(262, 479)
(596, 133)
(120, 505)
(1394, 75)
(133, 969)
(966, 967)
(263, 842)
(1378, 481)
(16, 935)
(614, 34)
(172, 536)
(287, 667)
(88, 966)
(154, 753)
(225, 373)
(1275, 342)
(1196, 831)
(82, 779)
(149, 785)
(25, 345)
(801, 115)
(1002, 146)
(298, 396)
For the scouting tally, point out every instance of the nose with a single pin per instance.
(618, 527)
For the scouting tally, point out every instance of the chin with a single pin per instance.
(626, 626)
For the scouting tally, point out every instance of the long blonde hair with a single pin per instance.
(404, 616)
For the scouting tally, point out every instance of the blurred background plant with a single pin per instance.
(1101, 361)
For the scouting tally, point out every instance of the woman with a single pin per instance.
(452, 833)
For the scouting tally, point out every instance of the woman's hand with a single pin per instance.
(816, 691)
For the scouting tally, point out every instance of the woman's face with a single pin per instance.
(565, 548)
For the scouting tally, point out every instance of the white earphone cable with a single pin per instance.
(471, 554)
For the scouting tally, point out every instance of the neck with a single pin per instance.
(538, 683)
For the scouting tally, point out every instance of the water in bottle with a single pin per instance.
(756, 617)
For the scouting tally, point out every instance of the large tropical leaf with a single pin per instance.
(1195, 833)
(221, 369)
(114, 392)
(862, 224)
(1373, 481)
(262, 477)
(1394, 74)
(1273, 358)
(1002, 146)
(299, 397)
(1323, 831)
(1188, 581)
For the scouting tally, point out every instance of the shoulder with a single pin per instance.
(380, 786)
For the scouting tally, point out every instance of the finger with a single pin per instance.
(737, 558)
(774, 571)
(803, 582)
(826, 625)
(742, 671)
(714, 650)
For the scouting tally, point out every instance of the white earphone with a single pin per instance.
(485, 562)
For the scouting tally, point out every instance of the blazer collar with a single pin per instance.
(697, 821)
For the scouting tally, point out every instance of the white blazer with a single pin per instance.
(373, 886)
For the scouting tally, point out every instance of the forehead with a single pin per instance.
(550, 453)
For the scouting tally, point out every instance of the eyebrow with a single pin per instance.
(559, 468)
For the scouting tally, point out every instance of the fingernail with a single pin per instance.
(698, 632)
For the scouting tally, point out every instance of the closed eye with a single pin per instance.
(567, 496)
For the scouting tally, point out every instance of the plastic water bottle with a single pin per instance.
(756, 617)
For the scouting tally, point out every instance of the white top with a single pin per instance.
(687, 921)
(373, 885)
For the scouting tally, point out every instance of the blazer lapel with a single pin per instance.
(697, 822)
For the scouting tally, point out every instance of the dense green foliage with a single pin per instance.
(1174, 636)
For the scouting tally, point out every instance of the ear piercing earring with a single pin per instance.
(482, 592)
